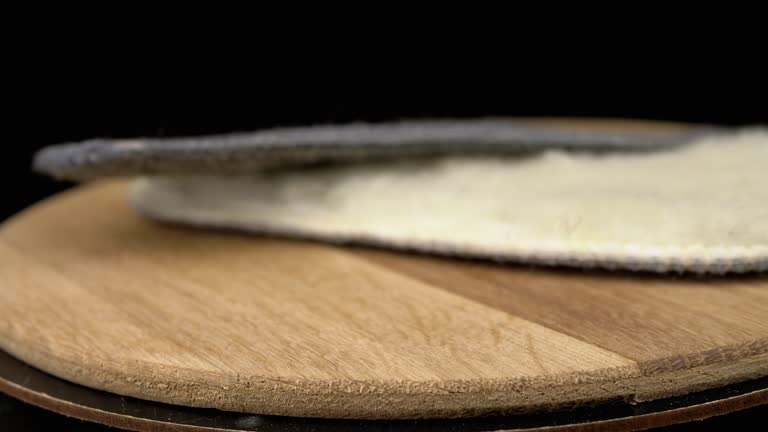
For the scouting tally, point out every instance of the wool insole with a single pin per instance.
(699, 208)
(242, 153)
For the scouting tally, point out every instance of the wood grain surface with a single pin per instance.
(93, 294)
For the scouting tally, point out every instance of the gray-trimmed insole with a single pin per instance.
(241, 153)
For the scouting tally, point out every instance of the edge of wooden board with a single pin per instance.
(38, 388)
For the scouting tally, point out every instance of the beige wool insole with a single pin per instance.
(698, 208)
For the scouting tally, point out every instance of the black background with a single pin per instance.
(63, 98)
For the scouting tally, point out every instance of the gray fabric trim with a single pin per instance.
(244, 152)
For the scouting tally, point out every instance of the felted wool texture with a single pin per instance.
(242, 153)
(700, 208)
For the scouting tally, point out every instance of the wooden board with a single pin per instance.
(44, 390)
(92, 293)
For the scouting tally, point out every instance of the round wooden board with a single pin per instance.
(39, 388)
(93, 294)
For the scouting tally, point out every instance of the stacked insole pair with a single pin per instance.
(675, 199)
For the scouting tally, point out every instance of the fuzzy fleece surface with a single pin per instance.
(700, 208)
